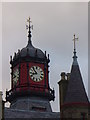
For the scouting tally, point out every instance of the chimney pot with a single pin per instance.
(63, 76)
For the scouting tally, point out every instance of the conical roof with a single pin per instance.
(75, 92)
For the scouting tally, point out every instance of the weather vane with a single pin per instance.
(28, 20)
(75, 42)
(28, 26)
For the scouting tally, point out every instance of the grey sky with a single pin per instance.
(54, 26)
(1, 46)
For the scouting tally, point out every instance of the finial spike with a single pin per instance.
(29, 27)
(45, 53)
(10, 58)
(74, 39)
(75, 57)
(28, 20)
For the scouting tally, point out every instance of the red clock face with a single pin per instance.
(36, 73)
(32, 74)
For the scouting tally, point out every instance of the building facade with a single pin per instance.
(30, 92)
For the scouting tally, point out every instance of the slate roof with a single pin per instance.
(31, 51)
(76, 91)
(15, 113)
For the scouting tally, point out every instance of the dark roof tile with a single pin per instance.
(76, 91)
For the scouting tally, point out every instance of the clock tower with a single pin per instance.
(30, 88)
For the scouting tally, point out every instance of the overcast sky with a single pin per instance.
(54, 27)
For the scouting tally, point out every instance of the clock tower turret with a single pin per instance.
(30, 78)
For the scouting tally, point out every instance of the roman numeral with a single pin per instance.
(41, 77)
(42, 74)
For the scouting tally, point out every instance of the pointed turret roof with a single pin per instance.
(75, 92)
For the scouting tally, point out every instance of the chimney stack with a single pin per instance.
(63, 83)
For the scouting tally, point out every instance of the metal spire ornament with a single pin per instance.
(29, 27)
(75, 57)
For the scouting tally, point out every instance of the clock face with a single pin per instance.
(15, 76)
(36, 73)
